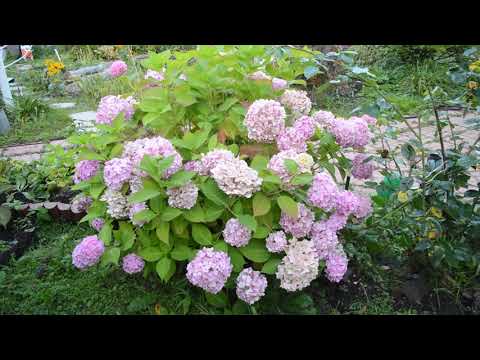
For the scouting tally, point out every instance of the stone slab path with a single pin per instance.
(65, 105)
(29, 152)
(84, 121)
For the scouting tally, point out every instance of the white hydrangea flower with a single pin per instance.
(117, 204)
(235, 177)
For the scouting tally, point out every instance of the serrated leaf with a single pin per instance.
(149, 191)
(151, 253)
(249, 221)
(170, 213)
(217, 300)
(259, 163)
(302, 179)
(221, 246)
(163, 232)
(288, 205)
(195, 214)
(181, 253)
(201, 234)
(110, 256)
(165, 268)
(291, 166)
(180, 178)
(270, 267)
(5, 216)
(213, 193)
(105, 233)
(261, 204)
(236, 257)
(255, 251)
(144, 216)
(261, 232)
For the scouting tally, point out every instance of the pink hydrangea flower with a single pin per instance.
(117, 171)
(183, 197)
(325, 119)
(88, 252)
(212, 159)
(336, 221)
(337, 263)
(279, 84)
(118, 68)
(323, 192)
(111, 106)
(193, 165)
(324, 239)
(265, 120)
(259, 75)
(291, 139)
(81, 203)
(351, 133)
(236, 234)
(209, 270)
(361, 169)
(251, 285)
(152, 74)
(346, 203)
(364, 207)
(301, 226)
(277, 164)
(297, 101)
(369, 119)
(235, 177)
(98, 223)
(132, 264)
(276, 242)
(85, 170)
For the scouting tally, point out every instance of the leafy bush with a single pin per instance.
(192, 175)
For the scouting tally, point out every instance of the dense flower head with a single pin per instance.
(117, 204)
(88, 252)
(299, 267)
(290, 138)
(251, 285)
(336, 265)
(323, 191)
(118, 68)
(235, 177)
(346, 203)
(369, 119)
(325, 119)
(132, 264)
(155, 146)
(351, 133)
(301, 226)
(259, 75)
(276, 242)
(336, 221)
(265, 120)
(81, 203)
(277, 164)
(193, 165)
(297, 101)
(363, 208)
(306, 126)
(324, 239)
(209, 270)
(156, 75)
(212, 159)
(134, 209)
(279, 84)
(98, 223)
(85, 170)
(116, 172)
(111, 106)
(236, 234)
(360, 168)
(183, 197)
(135, 184)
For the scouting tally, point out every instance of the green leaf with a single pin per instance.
(274, 179)
(259, 163)
(221, 246)
(201, 234)
(110, 256)
(291, 166)
(127, 235)
(181, 253)
(255, 251)
(423, 245)
(170, 213)
(240, 308)
(90, 155)
(165, 268)
(213, 211)
(180, 178)
(5, 216)
(210, 189)
(261, 204)
(149, 165)
(261, 232)
(195, 214)
(105, 234)
(270, 267)
(236, 257)
(227, 104)
(144, 216)
(217, 300)
(163, 232)
(288, 205)
(165, 163)
(149, 191)
(302, 179)
(157, 204)
(96, 190)
(310, 71)
(249, 221)
(408, 151)
(184, 96)
(151, 253)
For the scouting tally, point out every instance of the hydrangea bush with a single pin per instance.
(223, 171)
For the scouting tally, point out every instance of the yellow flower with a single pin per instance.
(402, 196)
(472, 85)
(436, 212)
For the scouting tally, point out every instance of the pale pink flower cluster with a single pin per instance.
(117, 204)
(265, 120)
(132, 264)
(212, 159)
(85, 170)
(251, 285)
(111, 106)
(346, 203)
(156, 75)
(117, 171)
(156, 146)
(364, 207)
(88, 252)
(351, 133)
(279, 84)
(183, 197)
(324, 238)
(209, 270)
(98, 223)
(81, 203)
(325, 119)
(299, 227)
(299, 267)
(297, 101)
(259, 75)
(236, 234)
(235, 177)
(323, 191)
(337, 263)
(277, 164)
(276, 242)
(360, 168)
(118, 68)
